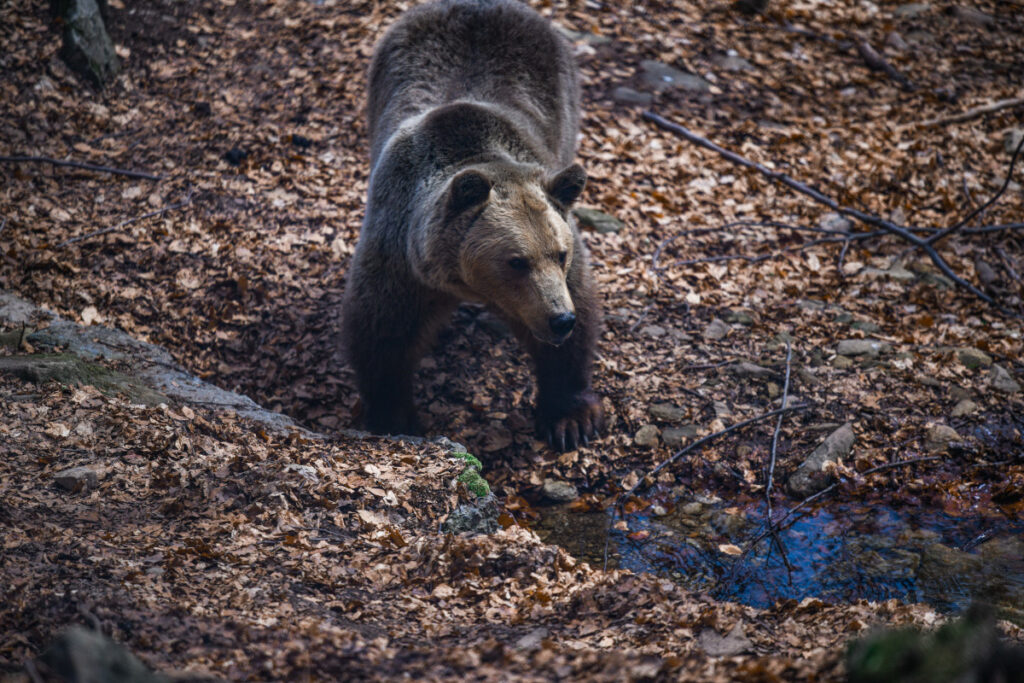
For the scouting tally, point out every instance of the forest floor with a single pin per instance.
(214, 545)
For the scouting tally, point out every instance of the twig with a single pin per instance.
(3, 224)
(877, 62)
(969, 114)
(817, 196)
(82, 165)
(781, 524)
(775, 437)
(1007, 264)
(705, 440)
(129, 221)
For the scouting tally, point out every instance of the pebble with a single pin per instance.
(659, 76)
(559, 491)
(974, 358)
(938, 437)
(77, 479)
(674, 437)
(964, 407)
(598, 221)
(750, 370)
(646, 436)
(667, 412)
(624, 95)
(1002, 380)
(861, 347)
(716, 330)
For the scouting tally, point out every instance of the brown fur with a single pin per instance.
(473, 118)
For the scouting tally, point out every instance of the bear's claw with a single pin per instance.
(574, 425)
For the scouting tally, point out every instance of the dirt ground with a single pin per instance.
(201, 549)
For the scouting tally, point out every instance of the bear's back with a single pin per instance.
(496, 52)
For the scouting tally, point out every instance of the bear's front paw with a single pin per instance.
(572, 422)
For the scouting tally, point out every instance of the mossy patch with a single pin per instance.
(471, 476)
(71, 370)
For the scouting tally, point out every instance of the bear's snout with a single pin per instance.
(561, 325)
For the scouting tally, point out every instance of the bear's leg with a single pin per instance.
(569, 413)
(386, 332)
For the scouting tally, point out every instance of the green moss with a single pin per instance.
(471, 477)
(70, 370)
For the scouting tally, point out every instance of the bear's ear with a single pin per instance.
(567, 186)
(467, 189)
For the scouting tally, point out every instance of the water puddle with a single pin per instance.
(839, 552)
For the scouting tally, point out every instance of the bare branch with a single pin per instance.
(974, 113)
(769, 479)
(129, 221)
(80, 164)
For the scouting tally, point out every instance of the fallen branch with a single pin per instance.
(770, 478)
(877, 62)
(129, 221)
(802, 188)
(974, 113)
(79, 164)
(773, 527)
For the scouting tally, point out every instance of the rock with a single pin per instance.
(1001, 380)
(929, 381)
(974, 358)
(646, 436)
(598, 221)
(749, 370)
(624, 95)
(964, 407)
(896, 272)
(559, 491)
(896, 42)
(842, 362)
(667, 412)
(674, 437)
(77, 479)
(660, 77)
(1012, 140)
(970, 15)
(735, 643)
(480, 517)
(588, 37)
(774, 390)
(531, 640)
(938, 436)
(82, 655)
(70, 370)
(87, 48)
(691, 509)
(654, 331)
(835, 221)
(865, 326)
(811, 476)
(305, 471)
(716, 330)
(740, 317)
(862, 347)
(731, 61)
(911, 9)
(721, 410)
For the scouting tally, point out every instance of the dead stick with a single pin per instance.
(129, 221)
(969, 114)
(817, 196)
(775, 436)
(877, 62)
(82, 165)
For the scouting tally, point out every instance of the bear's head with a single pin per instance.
(508, 233)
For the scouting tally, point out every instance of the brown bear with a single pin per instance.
(473, 116)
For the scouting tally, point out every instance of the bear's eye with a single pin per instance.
(520, 264)
(561, 258)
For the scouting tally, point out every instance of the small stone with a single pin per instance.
(692, 509)
(675, 437)
(842, 362)
(974, 358)
(750, 370)
(865, 326)
(1012, 140)
(659, 77)
(929, 381)
(559, 491)
(835, 221)
(896, 42)
(958, 393)
(532, 640)
(721, 410)
(654, 331)
(658, 510)
(735, 643)
(731, 62)
(813, 474)
(77, 479)
(1002, 380)
(964, 407)
(938, 437)
(646, 436)
(624, 95)
(739, 317)
(970, 15)
(305, 471)
(774, 390)
(667, 412)
(598, 221)
(716, 330)
(911, 9)
(862, 347)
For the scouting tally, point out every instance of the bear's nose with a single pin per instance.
(562, 323)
